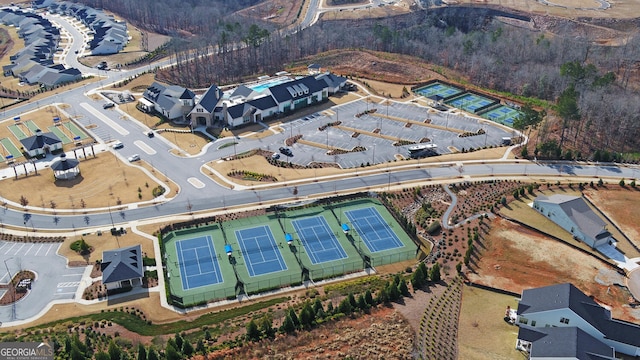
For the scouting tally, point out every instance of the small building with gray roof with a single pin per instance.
(122, 268)
(573, 214)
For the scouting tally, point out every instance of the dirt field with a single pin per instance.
(615, 204)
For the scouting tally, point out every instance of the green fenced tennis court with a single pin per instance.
(502, 114)
(438, 89)
(470, 102)
(279, 249)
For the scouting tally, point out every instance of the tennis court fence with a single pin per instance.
(271, 283)
(327, 271)
(390, 258)
(203, 297)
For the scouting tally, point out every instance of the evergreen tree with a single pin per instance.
(403, 288)
(330, 309)
(171, 353)
(352, 300)
(102, 356)
(317, 307)
(76, 354)
(345, 306)
(434, 275)
(266, 326)
(362, 303)
(207, 335)
(179, 341)
(383, 296)
(187, 349)
(288, 326)
(394, 293)
(200, 348)
(142, 352)
(294, 318)
(152, 354)
(114, 351)
(253, 334)
(368, 298)
(306, 316)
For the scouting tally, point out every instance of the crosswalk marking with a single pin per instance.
(69, 284)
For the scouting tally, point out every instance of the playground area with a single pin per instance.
(284, 247)
(47, 119)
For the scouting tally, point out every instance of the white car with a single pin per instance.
(133, 158)
(117, 145)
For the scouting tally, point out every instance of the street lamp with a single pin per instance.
(13, 293)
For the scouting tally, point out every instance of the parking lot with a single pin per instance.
(381, 133)
(53, 281)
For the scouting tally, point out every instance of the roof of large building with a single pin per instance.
(577, 209)
(167, 96)
(332, 79)
(210, 98)
(122, 264)
(567, 296)
(564, 342)
(298, 88)
(39, 140)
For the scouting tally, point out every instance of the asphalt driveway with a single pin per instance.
(54, 280)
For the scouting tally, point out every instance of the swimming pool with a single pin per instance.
(262, 86)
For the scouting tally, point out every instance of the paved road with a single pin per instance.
(54, 280)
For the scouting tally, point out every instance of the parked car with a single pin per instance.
(286, 151)
(108, 105)
(133, 158)
(275, 156)
(118, 145)
(151, 134)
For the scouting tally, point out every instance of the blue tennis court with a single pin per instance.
(316, 236)
(260, 250)
(503, 114)
(470, 102)
(373, 230)
(438, 89)
(198, 262)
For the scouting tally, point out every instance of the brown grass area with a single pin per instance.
(90, 185)
(372, 12)
(615, 203)
(515, 258)
(482, 332)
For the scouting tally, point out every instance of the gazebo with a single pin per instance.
(65, 169)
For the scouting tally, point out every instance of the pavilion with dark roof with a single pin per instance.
(65, 169)
(122, 268)
(41, 143)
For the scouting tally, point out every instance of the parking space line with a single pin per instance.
(27, 252)
(11, 247)
(39, 248)
(18, 251)
(49, 249)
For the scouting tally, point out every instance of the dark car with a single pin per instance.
(151, 134)
(285, 151)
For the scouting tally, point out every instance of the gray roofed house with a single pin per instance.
(122, 267)
(174, 102)
(314, 69)
(203, 112)
(573, 214)
(41, 39)
(564, 305)
(562, 342)
(41, 143)
(334, 82)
